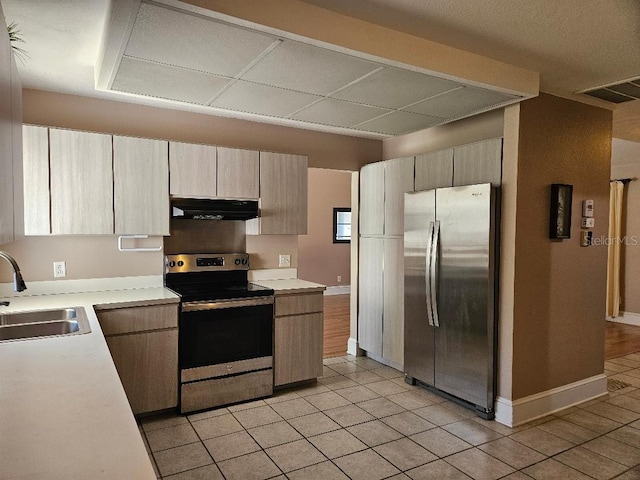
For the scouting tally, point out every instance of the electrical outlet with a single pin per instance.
(339, 278)
(59, 269)
(284, 260)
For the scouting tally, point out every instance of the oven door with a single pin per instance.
(222, 332)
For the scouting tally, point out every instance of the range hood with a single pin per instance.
(219, 209)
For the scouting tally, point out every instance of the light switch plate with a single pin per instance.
(588, 222)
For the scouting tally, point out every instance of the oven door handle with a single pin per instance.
(198, 306)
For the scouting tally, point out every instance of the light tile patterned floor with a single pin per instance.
(361, 421)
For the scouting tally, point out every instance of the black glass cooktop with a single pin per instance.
(204, 292)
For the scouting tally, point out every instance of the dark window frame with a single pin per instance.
(337, 210)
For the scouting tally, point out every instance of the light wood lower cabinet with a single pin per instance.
(297, 340)
(143, 342)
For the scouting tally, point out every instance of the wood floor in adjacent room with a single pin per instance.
(621, 339)
(336, 325)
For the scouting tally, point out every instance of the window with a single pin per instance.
(341, 225)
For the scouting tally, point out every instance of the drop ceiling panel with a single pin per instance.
(395, 88)
(154, 80)
(397, 123)
(338, 113)
(189, 41)
(262, 99)
(460, 102)
(307, 68)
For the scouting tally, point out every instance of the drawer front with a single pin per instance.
(222, 391)
(138, 319)
(301, 303)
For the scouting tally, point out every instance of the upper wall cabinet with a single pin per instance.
(398, 179)
(81, 183)
(238, 173)
(283, 195)
(36, 180)
(206, 171)
(382, 189)
(479, 162)
(372, 199)
(11, 220)
(434, 170)
(193, 170)
(141, 186)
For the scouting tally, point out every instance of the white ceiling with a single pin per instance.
(569, 42)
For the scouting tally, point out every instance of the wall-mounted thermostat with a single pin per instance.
(587, 208)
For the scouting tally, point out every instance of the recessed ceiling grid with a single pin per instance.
(183, 57)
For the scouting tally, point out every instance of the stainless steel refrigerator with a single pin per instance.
(450, 305)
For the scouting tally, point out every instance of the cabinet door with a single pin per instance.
(298, 348)
(479, 162)
(36, 180)
(398, 179)
(283, 195)
(141, 186)
(147, 364)
(434, 170)
(372, 199)
(238, 173)
(81, 183)
(393, 311)
(192, 170)
(16, 120)
(6, 136)
(370, 295)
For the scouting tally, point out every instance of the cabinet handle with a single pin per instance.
(139, 249)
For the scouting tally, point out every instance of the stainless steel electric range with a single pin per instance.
(225, 330)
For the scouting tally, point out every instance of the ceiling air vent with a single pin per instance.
(618, 92)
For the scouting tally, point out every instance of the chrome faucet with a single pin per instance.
(18, 282)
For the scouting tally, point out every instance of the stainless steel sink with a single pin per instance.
(37, 316)
(43, 323)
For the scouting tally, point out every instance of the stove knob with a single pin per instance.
(172, 264)
(237, 262)
(180, 263)
(245, 261)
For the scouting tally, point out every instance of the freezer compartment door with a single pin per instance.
(464, 340)
(419, 345)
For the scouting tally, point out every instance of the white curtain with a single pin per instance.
(616, 193)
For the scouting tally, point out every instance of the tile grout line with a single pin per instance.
(412, 410)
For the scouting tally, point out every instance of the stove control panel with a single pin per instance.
(206, 262)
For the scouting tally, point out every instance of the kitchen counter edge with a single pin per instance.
(62, 394)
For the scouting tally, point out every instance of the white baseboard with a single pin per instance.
(523, 410)
(352, 347)
(628, 318)
(338, 290)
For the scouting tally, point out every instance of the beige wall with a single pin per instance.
(467, 130)
(625, 163)
(325, 150)
(559, 287)
(86, 257)
(319, 259)
(92, 257)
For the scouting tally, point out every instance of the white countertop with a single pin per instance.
(291, 286)
(63, 411)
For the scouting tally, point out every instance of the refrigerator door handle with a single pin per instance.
(433, 273)
(427, 274)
